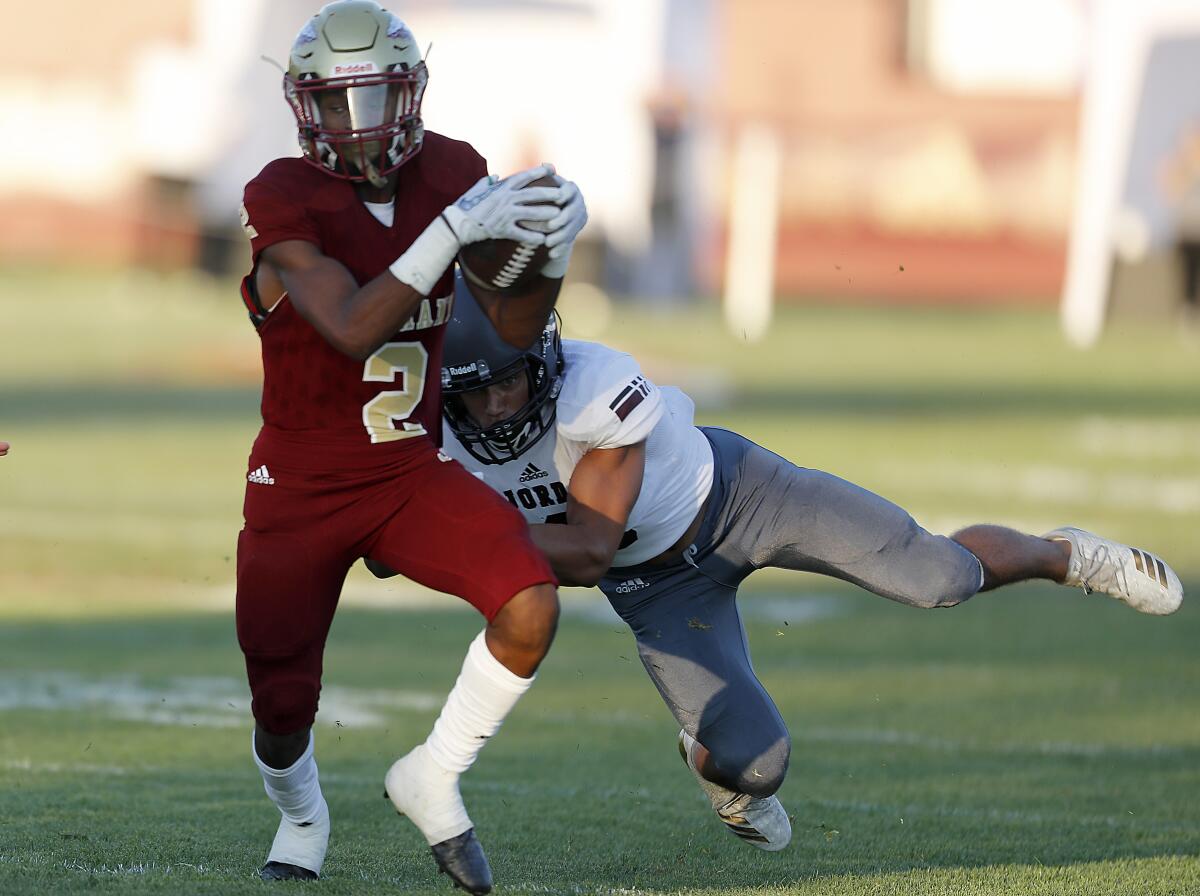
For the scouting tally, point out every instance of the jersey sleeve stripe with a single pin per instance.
(630, 403)
(639, 383)
(616, 401)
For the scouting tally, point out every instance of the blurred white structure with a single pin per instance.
(1024, 46)
(1122, 34)
(564, 81)
(753, 232)
(926, 147)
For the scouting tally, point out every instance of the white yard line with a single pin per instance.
(203, 702)
(1139, 439)
(1050, 484)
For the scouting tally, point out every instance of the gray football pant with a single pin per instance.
(765, 511)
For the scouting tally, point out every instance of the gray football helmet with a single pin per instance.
(355, 80)
(474, 356)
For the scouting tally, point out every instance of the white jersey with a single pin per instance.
(606, 402)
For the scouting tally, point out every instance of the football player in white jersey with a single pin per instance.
(623, 491)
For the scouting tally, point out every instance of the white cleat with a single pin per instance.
(761, 822)
(1132, 575)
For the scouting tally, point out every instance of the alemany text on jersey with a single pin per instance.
(425, 316)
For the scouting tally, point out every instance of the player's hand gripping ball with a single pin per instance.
(507, 266)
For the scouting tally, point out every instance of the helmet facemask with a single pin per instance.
(361, 127)
(355, 80)
(510, 438)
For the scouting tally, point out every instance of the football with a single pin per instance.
(506, 266)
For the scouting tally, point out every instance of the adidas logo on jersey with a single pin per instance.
(631, 585)
(531, 472)
(261, 476)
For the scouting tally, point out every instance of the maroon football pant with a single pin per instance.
(428, 519)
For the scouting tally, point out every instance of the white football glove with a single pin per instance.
(495, 209)
(491, 209)
(562, 229)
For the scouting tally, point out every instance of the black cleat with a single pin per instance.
(462, 858)
(284, 871)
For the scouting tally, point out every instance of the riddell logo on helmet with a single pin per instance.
(354, 68)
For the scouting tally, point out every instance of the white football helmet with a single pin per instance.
(355, 80)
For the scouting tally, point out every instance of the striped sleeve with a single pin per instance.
(619, 405)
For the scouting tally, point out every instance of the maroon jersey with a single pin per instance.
(312, 390)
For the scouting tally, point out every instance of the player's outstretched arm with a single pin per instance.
(604, 487)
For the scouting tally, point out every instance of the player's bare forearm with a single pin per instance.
(578, 555)
(604, 487)
(361, 321)
(520, 319)
(376, 311)
(355, 320)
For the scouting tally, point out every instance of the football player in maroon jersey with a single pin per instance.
(4, 446)
(350, 290)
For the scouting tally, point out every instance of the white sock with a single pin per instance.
(424, 784)
(483, 695)
(303, 834)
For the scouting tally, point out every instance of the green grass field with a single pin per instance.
(1029, 742)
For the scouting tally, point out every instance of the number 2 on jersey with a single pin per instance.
(405, 363)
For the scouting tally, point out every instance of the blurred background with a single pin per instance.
(820, 147)
(947, 249)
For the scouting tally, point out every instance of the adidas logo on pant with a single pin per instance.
(531, 472)
(261, 476)
(631, 585)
